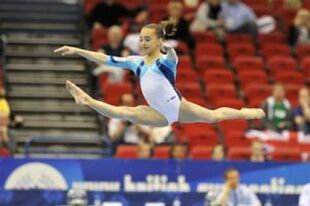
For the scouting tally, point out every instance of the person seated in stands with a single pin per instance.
(207, 16)
(4, 118)
(175, 12)
(219, 152)
(179, 151)
(302, 111)
(257, 152)
(108, 13)
(134, 26)
(278, 110)
(299, 31)
(144, 150)
(292, 4)
(114, 47)
(238, 18)
(124, 132)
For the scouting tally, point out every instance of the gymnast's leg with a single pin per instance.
(190, 112)
(140, 114)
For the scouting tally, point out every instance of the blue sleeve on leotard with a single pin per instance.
(123, 62)
(170, 63)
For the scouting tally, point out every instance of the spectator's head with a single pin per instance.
(233, 1)
(145, 150)
(278, 92)
(152, 36)
(179, 151)
(175, 9)
(110, 2)
(115, 35)
(127, 100)
(142, 15)
(232, 178)
(302, 18)
(214, 2)
(2, 92)
(304, 96)
(219, 152)
(257, 152)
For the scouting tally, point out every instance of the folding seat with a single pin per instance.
(233, 125)
(201, 152)
(209, 49)
(278, 64)
(291, 92)
(305, 66)
(207, 62)
(252, 3)
(290, 77)
(303, 51)
(236, 138)
(205, 36)
(240, 49)
(157, 13)
(190, 89)
(200, 134)
(98, 37)
(113, 92)
(219, 76)
(262, 10)
(237, 38)
(218, 91)
(228, 102)
(286, 154)
(275, 50)
(4, 152)
(126, 152)
(271, 38)
(186, 76)
(162, 152)
(248, 63)
(252, 77)
(256, 93)
(185, 62)
(182, 48)
(239, 153)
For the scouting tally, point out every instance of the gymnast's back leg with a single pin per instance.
(191, 112)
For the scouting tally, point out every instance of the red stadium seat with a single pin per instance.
(198, 100)
(303, 51)
(271, 38)
(286, 154)
(162, 152)
(98, 37)
(262, 10)
(185, 62)
(290, 77)
(205, 37)
(218, 76)
(113, 92)
(201, 152)
(190, 89)
(186, 76)
(207, 62)
(305, 66)
(240, 49)
(278, 64)
(218, 91)
(233, 125)
(237, 38)
(275, 50)
(248, 63)
(126, 152)
(236, 138)
(228, 102)
(257, 93)
(210, 49)
(291, 92)
(239, 153)
(4, 152)
(252, 77)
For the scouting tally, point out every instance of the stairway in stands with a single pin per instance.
(35, 76)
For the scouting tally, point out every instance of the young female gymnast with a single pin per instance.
(156, 73)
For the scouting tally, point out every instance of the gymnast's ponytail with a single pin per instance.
(164, 29)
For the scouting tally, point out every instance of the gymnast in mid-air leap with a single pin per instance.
(156, 71)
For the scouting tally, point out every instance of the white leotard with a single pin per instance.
(157, 83)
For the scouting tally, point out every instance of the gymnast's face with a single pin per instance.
(148, 41)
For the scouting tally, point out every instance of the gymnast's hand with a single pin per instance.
(165, 48)
(67, 50)
(79, 95)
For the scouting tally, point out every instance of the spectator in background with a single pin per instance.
(219, 152)
(4, 118)
(299, 31)
(257, 152)
(235, 194)
(302, 112)
(237, 18)
(145, 150)
(278, 110)
(108, 13)
(114, 47)
(292, 4)
(179, 151)
(175, 12)
(304, 198)
(207, 16)
(124, 132)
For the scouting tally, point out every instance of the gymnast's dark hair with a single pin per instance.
(164, 29)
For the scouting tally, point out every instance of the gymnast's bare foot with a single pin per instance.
(252, 113)
(79, 95)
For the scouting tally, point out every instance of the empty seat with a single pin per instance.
(279, 64)
(207, 62)
(126, 152)
(252, 77)
(113, 92)
(190, 89)
(204, 36)
(201, 152)
(271, 38)
(218, 91)
(257, 93)
(286, 154)
(240, 49)
(218, 76)
(162, 152)
(248, 63)
(305, 66)
(186, 76)
(239, 153)
(303, 51)
(290, 77)
(228, 102)
(210, 49)
(185, 62)
(237, 38)
(275, 50)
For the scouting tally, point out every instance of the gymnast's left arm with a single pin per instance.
(171, 54)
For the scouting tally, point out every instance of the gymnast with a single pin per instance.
(156, 71)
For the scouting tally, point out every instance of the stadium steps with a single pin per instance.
(35, 75)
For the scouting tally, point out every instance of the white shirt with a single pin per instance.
(304, 198)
